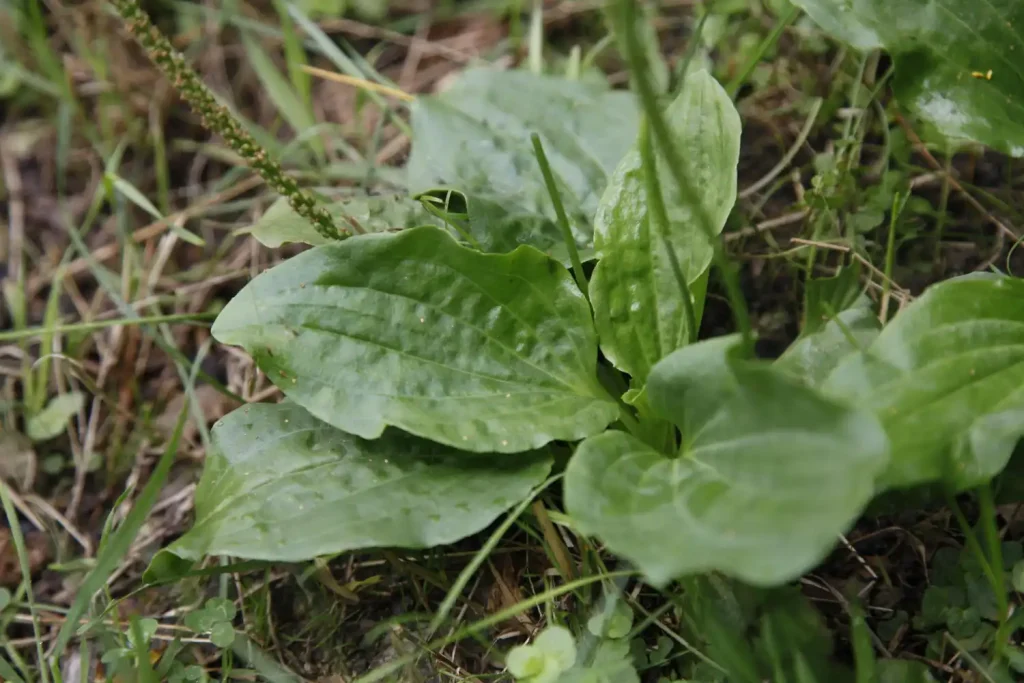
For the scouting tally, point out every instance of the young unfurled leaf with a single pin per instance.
(638, 308)
(483, 352)
(958, 62)
(768, 474)
(281, 485)
(475, 138)
(53, 419)
(946, 377)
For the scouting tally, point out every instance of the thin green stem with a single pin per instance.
(679, 77)
(940, 220)
(971, 539)
(563, 219)
(215, 117)
(26, 572)
(12, 335)
(637, 60)
(890, 251)
(987, 513)
(659, 216)
(478, 559)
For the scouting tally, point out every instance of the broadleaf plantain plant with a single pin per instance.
(426, 379)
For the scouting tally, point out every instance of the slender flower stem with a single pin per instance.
(659, 220)
(563, 219)
(215, 117)
(624, 14)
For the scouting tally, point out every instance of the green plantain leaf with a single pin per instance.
(762, 485)
(959, 63)
(638, 308)
(280, 224)
(475, 138)
(281, 485)
(483, 352)
(946, 377)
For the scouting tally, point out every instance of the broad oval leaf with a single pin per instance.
(958, 62)
(475, 138)
(281, 485)
(638, 308)
(483, 352)
(280, 224)
(759, 491)
(946, 377)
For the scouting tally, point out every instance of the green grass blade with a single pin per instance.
(8, 673)
(121, 540)
(14, 525)
(288, 103)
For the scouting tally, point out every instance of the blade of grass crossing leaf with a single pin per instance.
(14, 525)
(637, 59)
(121, 540)
(563, 219)
(656, 202)
(478, 559)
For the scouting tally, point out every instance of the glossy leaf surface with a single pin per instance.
(279, 224)
(483, 352)
(281, 485)
(765, 479)
(475, 138)
(946, 377)
(959, 63)
(638, 308)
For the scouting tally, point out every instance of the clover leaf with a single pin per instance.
(215, 619)
(551, 653)
(612, 623)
